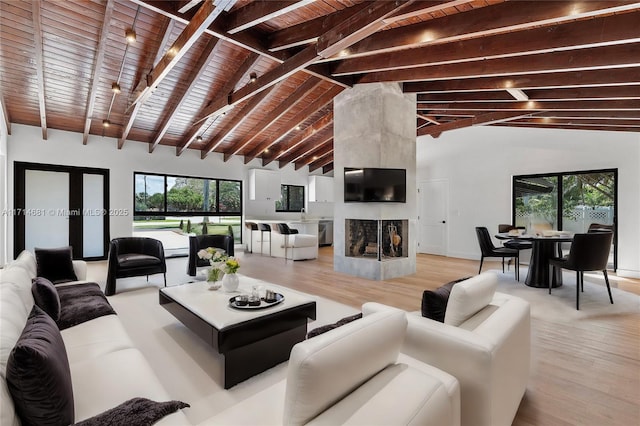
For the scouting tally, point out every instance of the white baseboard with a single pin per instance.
(627, 273)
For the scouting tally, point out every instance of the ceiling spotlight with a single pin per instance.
(106, 123)
(298, 127)
(266, 151)
(253, 77)
(115, 88)
(198, 138)
(130, 35)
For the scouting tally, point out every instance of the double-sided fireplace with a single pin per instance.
(380, 240)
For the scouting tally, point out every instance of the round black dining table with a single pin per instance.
(543, 248)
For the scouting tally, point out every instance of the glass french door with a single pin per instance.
(59, 206)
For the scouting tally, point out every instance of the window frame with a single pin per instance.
(287, 208)
(166, 212)
(559, 201)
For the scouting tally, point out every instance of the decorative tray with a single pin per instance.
(236, 303)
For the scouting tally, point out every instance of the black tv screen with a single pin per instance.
(375, 185)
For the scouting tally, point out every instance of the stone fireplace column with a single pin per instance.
(374, 126)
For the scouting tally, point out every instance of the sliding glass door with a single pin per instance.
(569, 201)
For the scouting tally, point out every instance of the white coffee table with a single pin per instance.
(251, 340)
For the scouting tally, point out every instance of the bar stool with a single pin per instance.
(284, 229)
(251, 226)
(264, 227)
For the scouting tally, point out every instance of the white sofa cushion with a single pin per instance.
(106, 381)
(398, 395)
(324, 369)
(469, 297)
(94, 338)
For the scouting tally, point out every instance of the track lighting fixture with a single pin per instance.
(130, 35)
(115, 88)
(253, 77)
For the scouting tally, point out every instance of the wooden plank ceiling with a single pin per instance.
(256, 78)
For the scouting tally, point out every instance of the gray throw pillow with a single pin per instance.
(46, 297)
(434, 302)
(55, 264)
(38, 374)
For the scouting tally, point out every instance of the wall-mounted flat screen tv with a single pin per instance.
(375, 185)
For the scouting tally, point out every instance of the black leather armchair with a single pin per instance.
(199, 242)
(134, 257)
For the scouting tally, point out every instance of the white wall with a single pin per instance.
(4, 208)
(66, 148)
(479, 164)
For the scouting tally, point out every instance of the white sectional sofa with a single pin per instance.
(106, 368)
(485, 342)
(351, 375)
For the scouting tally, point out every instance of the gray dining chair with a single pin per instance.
(588, 252)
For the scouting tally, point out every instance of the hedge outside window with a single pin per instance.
(159, 195)
(292, 198)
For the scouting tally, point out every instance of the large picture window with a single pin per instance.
(158, 195)
(292, 198)
(191, 205)
(569, 201)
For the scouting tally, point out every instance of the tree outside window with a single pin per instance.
(292, 198)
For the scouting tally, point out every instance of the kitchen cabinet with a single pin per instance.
(264, 185)
(321, 189)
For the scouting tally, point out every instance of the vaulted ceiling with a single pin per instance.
(256, 78)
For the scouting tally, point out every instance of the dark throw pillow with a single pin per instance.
(434, 302)
(46, 297)
(134, 412)
(38, 374)
(323, 329)
(80, 303)
(55, 264)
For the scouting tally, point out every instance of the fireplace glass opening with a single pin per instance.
(376, 239)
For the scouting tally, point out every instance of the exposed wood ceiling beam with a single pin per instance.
(242, 39)
(134, 108)
(194, 75)
(285, 106)
(5, 122)
(618, 56)
(321, 162)
(484, 21)
(329, 166)
(235, 121)
(300, 138)
(588, 78)
(309, 31)
(305, 148)
(97, 69)
(603, 122)
(198, 126)
(586, 127)
(39, 65)
(483, 119)
(580, 93)
(582, 114)
(594, 105)
(185, 6)
(428, 118)
(206, 14)
(259, 12)
(614, 29)
(356, 27)
(297, 120)
(320, 151)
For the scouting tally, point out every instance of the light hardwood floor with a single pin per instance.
(586, 374)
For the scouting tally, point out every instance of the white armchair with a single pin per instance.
(488, 352)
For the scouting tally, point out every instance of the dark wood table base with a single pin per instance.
(250, 347)
(539, 269)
